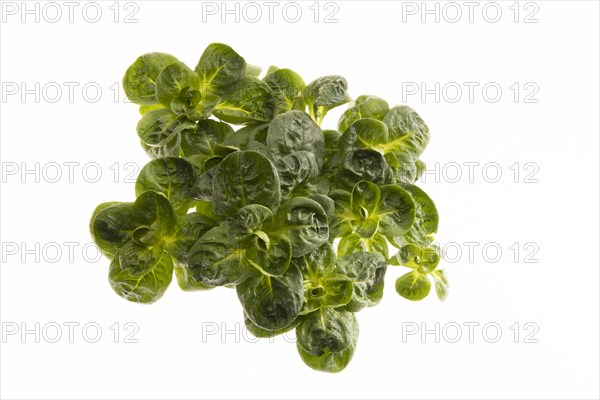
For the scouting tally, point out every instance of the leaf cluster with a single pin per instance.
(245, 190)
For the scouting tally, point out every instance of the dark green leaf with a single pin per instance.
(364, 165)
(407, 130)
(142, 289)
(153, 210)
(221, 70)
(272, 303)
(303, 222)
(242, 178)
(295, 131)
(186, 281)
(325, 93)
(287, 89)
(265, 333)
(112, 225)
(139, 82)
(158, 127)
(270, 257)
(251, 102)
(367, 273)
(323, 285)
(396, 210)
(207, 139)
(426, 220)
(170, 148)
(296, 170)
(177, 81)
(171, 176)
(138, 260)
(190, 228)
(216, 262)
(242, 227)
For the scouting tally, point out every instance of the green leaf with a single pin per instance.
(365, 106)
(250, 137)
(413, 255)
(303, 222)
(221, 70)
(366, 133)
(265, 333)
(203, 189)
(144, 109)
(413, 286)
(242, 227)
(396, 210)
(331, 142)
(340, 223)
(295, 131)
(185, 280)
(364, 165)
(326, 202)
(216, 262)
(323, 285)
(177, 82)
(242, 178)
(269, 257)
(408, 132)
(205, 208)
(112, 225)
(296, 171)
(251, 102)
(207, 139)
(367, 273)
(272, 303)
(364, 202)
(426, 220)
(406, 169)
(158, 127)
(173, 177)
(147, 288)
(287, 89)
(441, 284)
(354, 243)
(325, 93)
(154, 210)
(138, 259)
(139, 82)
(190, 228)
(253, 71)
(170, 148)
(326, 339)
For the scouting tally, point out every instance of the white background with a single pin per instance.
(379, 47)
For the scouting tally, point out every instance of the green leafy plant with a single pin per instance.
(246, 191)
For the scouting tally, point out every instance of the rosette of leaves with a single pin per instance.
(246, 191)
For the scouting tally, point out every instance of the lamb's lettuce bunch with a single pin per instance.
(245, 190)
